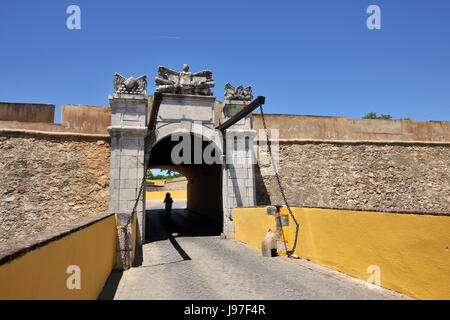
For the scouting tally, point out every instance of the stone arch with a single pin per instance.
(205, 187)
(165, 131)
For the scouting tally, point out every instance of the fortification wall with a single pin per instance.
(169, 184)
(42, 170)
(47, 181)
(86, 119)
(297, 127)
(51, 173)
(27, 112)
(75, 119)
(360, 175)
(38, 268)
(335, 162)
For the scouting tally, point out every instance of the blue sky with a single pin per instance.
(306, 57)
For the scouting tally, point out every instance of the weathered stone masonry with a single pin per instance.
(361, 175)
(46, 181)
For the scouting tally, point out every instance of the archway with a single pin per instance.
(204, 188)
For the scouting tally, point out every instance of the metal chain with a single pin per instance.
(289, 252)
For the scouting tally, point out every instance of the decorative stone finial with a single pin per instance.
(239, 93)
(184, 82)
(130, 85)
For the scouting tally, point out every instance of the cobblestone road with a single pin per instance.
(180, 265)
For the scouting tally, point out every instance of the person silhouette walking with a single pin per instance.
(168, 201)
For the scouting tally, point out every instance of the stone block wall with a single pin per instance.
(47, 181)
(361, 175)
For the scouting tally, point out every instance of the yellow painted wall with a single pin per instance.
(251, 225)
(412, 251)
(160, 195)
(41, 273)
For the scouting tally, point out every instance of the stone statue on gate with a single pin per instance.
(184, 82)
(239, 93)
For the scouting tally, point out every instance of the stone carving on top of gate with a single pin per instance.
(238, 93)
(187, 99)
(131, 85)
(184, 82)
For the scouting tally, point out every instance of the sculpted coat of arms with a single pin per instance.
(184, 82)
(131, 85)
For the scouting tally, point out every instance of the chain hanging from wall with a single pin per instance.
(297, 226)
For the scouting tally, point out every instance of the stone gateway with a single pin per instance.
(186, 108)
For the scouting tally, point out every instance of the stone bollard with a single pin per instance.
(278, 239)
(269, 245)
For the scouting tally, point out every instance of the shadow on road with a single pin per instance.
(138, 256)
(180, 223)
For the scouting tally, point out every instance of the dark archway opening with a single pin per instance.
(203, 215)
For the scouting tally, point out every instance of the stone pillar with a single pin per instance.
(128, 131)
(239, 173)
